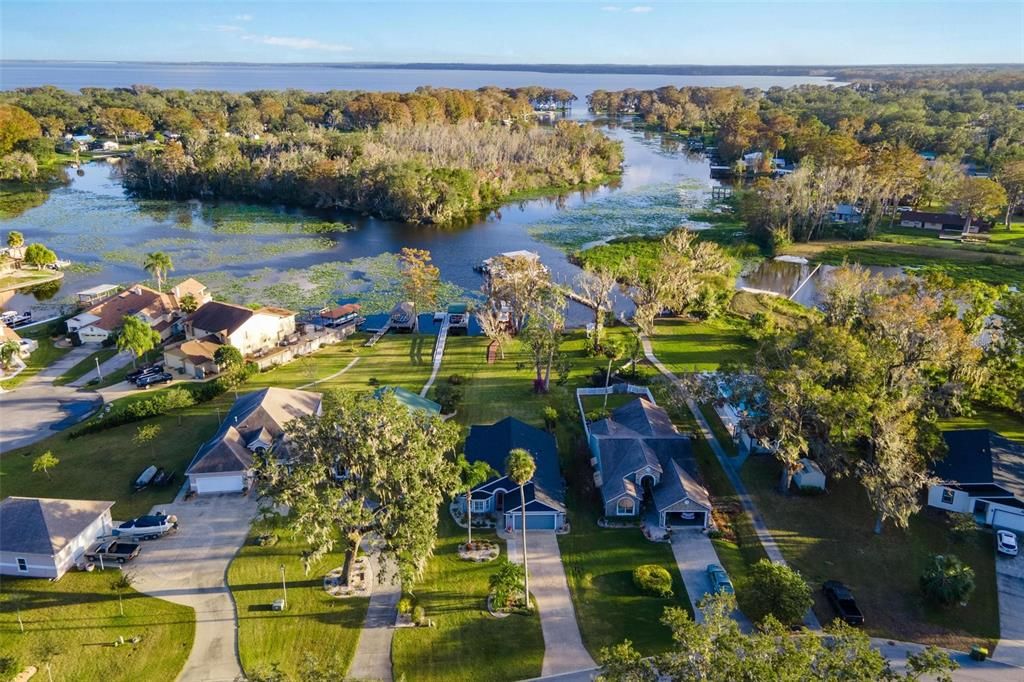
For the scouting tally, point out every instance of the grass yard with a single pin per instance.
(41, 357)
(86, 365)
(103, 466)
(467, 643)
(1005, 423)
(314, 624)
(722, 434)
(73, 622)
(830, 537)
(117, 376)
(686, 346)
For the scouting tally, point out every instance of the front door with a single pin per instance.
(499, 502)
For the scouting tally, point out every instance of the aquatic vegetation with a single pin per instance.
(650, 211)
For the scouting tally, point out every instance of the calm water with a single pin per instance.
(791, 279)
(242, 78)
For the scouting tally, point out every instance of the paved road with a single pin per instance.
(190, 568)
(111, 364)
(563, 645)
(693, 552)
(372, 660)
(1010, 582)
(30, 410)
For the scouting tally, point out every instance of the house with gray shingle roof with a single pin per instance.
(255, 423)
(43, 538)
(642, 462)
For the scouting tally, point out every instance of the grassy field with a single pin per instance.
(1000, 240)
(722, 434)
(74, 622)
(314, 624)
(467, 643)
(1007, 424)
(686, 346)
(41, 357)
(86, 365)
(20, 279)
(830, 537)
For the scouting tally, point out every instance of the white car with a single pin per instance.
(1006, 543)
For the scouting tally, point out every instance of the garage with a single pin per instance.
(685, 519)
(533, 521)
(1003, 519)
(205, 485)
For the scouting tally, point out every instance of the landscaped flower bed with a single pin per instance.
(479, 551)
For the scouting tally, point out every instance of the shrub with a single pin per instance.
(405, 604)
(597, 414)
(373, 381)
(962, 526)
(449, 396)
(778, 590)
(550, 417)
(653, 579)
(456, 379)
(418, 615)
(507, 584)
(947, 580)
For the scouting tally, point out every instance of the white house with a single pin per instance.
(846, 214)
(247, 330)
(983, 475)
(43, 538)
(159, 310)
(499, 497)
(254, 424)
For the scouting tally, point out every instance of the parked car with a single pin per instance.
(150, 379)
(137, 374)
(841, 598)
(1006, 542)
(149, 527)
(719, 579)
(113, 551)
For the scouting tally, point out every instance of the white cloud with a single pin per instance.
(641, 9)
(243, 17)
(297, 43)
(228, 28)
(610, 8)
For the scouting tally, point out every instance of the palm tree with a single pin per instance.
(15, 239)
(473, 475)
(158, 264)
(520, 468)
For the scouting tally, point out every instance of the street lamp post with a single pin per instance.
(284, 587)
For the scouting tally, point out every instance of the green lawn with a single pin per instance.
(117, 376)
(314, 624)
(722, 434)
(1005, 423)
(685, 346)
(830, 537)
(467, 643)
(77, 620)
(1000, 240)
(86, 365)
(41, 358)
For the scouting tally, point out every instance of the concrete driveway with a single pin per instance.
(563, 647)
(693, 552)
(190, 568)
(33, 410)
(1010, 583)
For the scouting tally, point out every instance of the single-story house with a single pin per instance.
(339, 315)
(942, 221)
(642, 461)
(43, 538)
(982, 474)
(83, 142)
(545, 493)
(255, 423)
(846, 214)
(194, 358)
(413, 401)
(108, 146)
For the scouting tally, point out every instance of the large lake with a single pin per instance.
(289, 257)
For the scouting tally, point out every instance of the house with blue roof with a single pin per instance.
(499, 497)
(255, 424)
(414, 402)
(643, 465)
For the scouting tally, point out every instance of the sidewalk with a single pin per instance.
(112, 364)
(372, 659)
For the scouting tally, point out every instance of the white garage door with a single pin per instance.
(1007, 520)
(219, 484)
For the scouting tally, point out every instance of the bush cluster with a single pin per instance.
(653, 579)
(449, 396)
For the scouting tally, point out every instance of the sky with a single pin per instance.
(489, 31)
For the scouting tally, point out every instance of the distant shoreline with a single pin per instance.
(822, 70)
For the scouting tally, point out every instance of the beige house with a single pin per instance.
(43, 538)
(161, 311)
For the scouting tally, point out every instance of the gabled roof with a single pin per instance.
(38, 525)
(677, 485)
(217, 317)
(8, 334)
(413, 401)
(198, 351)
(492, 443)
(621, 457)
(645, 418)
(982, 456)
(263, 413)
(189, 286)
(132, 301)
(341, 311)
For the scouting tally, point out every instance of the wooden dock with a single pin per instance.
(378, 335)
(442, 338)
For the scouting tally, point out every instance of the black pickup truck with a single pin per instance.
(113, 551)
(842, 601)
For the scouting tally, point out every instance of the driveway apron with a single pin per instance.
(1010, 583)
(693, 552)
(563, 646)
(190, 568)
(372, 660)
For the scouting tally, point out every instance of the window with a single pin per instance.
(625, 507)
(479, 505)
(22, 565)
(947, 496)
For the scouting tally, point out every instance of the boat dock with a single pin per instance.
(442, 337)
